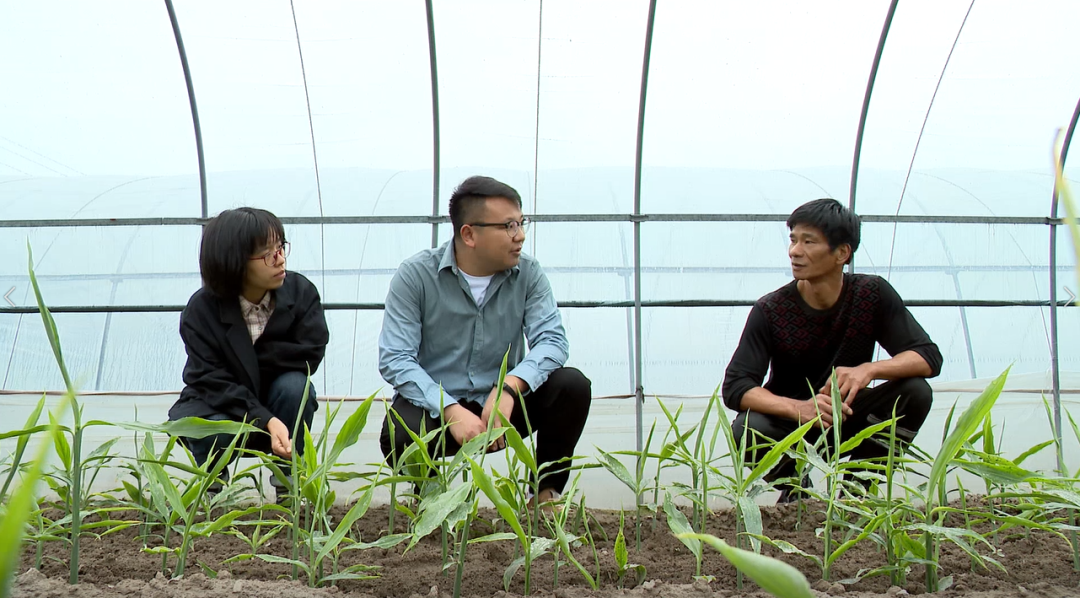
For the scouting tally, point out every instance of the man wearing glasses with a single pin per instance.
(252, 334)
(451, 314)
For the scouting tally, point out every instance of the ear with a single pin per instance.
(468, 236)
(843, 254)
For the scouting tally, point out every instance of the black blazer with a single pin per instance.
(225, 373)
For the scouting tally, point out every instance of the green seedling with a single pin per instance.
(775, 577)
(622, 558)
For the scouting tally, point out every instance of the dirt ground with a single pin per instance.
(1037, 565)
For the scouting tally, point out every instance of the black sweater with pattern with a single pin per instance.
(799, 345)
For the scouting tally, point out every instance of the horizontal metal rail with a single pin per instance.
(133, 309)
(429, 220)
(613, 270)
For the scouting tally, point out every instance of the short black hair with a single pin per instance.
(228, 240)
(471, 194)
(839, 224)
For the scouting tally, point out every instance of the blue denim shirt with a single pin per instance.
(435, 335)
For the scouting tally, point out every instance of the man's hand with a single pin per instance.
(506, 407)
(850, 381)
(464, 425)
(279, 438)
(820, 404)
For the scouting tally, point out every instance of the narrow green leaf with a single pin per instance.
(681, 527)
(385, 542)
(622, 557)
(858, 439)
(787, 548)
(1033, 450)
(63, 448)
(616, 467)
(26, 432)
(345, 525)
(19, 506)
(190, 427)
(483, 482)
(508, 574)
(498, 537)
(350, 431)
(967, 424)
(775, 577)
(517, 444)
(751, 516)
(270, 558)
(777, 451)
(346, 576)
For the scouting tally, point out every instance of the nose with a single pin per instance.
(794, 250)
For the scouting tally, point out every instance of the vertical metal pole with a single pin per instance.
(435, 123)
(639, 390)
(194, 109)
(866, 110)
(1055, 360)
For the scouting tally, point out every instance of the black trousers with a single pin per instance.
(912, 397)
(557, 412)
(283, 400)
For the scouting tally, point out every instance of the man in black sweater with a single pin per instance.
(826, 319)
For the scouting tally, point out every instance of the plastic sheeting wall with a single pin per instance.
(750, 109)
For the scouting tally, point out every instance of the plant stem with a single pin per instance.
(931, 567)
(637, 530)
(1073, 540)
(462, 547)
(165, 555)
(445, 548)
(76, 492)
(738, 544)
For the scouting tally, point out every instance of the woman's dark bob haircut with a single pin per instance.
(229, 240)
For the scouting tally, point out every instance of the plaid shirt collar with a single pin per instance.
(256, 315)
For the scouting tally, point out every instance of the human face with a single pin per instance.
(265, 270)
(811, 258)
(495, 249)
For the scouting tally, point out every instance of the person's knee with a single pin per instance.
(288, 389)
(384, 437)
(751, 430)
(918, 396)
(914, 398)
(394, 436)
(573, 383)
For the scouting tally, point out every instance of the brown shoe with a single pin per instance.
(549, 498)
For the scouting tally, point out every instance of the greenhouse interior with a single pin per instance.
(658, 149)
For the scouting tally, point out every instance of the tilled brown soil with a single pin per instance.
(1039, 564)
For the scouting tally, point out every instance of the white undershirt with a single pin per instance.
(478, 285)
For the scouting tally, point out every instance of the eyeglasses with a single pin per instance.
(511, 227)
(270, 257)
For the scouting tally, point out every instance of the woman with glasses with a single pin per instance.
(252, 334)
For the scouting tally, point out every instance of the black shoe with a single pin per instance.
(790, 493)
(281, 491)
(213, 490)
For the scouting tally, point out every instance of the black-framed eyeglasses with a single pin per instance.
(511, 227)
(270, 257)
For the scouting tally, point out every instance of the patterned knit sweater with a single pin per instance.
(798, 345)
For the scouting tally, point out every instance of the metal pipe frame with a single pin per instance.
(436, 219)
(639, 362)
(435, 159)
(1055, 359)
(866, 102)
(194, 108)
(637, 304)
